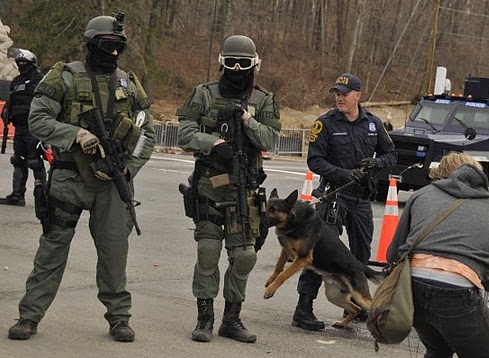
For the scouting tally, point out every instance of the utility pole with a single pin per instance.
(431, 56)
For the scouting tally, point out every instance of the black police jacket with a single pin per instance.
(337, 145)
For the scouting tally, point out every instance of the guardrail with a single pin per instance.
(291, 142)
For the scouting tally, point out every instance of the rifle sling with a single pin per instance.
(107, 117)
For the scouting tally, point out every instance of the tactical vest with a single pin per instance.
(209, 123)
(80, 98)
(21, 96)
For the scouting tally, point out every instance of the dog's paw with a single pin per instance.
(338, 324)
(269, 292)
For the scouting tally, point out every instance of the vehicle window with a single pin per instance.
(435, 113)
(471, 116)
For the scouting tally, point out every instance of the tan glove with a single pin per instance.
(87, 141)
(105, 177)
(102, 176)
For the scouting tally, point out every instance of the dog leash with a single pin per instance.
(326, 196)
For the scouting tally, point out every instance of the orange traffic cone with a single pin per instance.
(390, 221)
(306, 194)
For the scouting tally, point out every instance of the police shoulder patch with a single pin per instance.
(316, 129)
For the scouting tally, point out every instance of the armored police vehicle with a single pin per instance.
(439, 124)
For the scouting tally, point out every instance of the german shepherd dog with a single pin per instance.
(311, 243)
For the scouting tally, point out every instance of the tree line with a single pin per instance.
(304, 44)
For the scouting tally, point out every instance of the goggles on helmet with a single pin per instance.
(110, 45)
(238, 63)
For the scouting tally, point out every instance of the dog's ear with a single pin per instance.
(292, 198)
(274, 194)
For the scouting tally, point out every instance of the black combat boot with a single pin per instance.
(23, 329)
(12, 200)
(205, 321)
(232, 327)
(303, 315)
(122, 332)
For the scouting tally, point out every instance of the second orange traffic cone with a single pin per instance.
(306, 194)
(390, 221)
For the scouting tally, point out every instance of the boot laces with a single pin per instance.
(240, 324)
(202, 322)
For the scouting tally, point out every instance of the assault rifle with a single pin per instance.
(5, 116)
(113, 162)
(239, 177)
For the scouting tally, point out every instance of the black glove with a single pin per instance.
(357, 175)
(367, 163)
(224, 153)
(229, 112)
(259, 241)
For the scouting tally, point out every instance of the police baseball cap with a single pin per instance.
(346, 83)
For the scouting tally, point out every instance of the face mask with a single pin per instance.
(100, 60)
(235, 84)
(24, 66)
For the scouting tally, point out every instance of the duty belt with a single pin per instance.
(63, 164)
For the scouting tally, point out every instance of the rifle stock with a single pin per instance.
(113, 161)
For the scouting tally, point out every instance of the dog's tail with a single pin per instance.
(373, 275)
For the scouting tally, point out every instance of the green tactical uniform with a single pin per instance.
(198, 130)
(60, 97)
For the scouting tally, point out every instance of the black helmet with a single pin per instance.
(239, 53)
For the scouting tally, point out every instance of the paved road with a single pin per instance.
(159, 272)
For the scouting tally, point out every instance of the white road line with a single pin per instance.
(172, 159)
(172, 171)
(265, 168)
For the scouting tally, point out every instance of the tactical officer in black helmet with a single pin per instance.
(27, 153)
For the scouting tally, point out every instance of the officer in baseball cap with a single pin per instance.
(341, 149)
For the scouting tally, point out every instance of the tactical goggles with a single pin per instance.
(111, 45)
(238, 63)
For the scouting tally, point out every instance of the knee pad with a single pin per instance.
(35, 163)
(17, 161)
(243, 261)
(208, 254)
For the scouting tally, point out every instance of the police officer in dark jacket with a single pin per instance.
(26, 151)
(346, 144)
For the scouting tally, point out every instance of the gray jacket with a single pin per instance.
(462, 236)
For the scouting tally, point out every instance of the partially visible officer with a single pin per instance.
(66, 91)
(16, 111)
(342, 146)
(209, 123)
